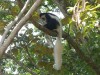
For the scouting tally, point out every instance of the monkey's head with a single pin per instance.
(50, 21)
(43, 18)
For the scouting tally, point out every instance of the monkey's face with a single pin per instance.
(43, 19)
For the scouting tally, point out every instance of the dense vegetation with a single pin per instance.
(29, 54)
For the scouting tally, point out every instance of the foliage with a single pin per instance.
(30, 48)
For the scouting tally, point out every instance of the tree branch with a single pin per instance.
(73, 43)
(9, 26)
(19, 26)
(62, 6)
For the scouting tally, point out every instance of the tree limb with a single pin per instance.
(19, 26)
(73, 43)
(9, 26)
(62, 6)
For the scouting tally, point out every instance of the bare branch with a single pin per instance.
(83, 5)
(13, 22)
(77, 10)
(19, 26)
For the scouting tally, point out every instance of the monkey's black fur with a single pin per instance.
(52, 23)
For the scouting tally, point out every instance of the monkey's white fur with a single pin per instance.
(58, 47)
(58, 50)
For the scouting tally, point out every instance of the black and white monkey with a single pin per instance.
(52, 22)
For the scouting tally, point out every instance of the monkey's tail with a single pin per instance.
(58, 52)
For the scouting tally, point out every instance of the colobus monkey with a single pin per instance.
(52, 22)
